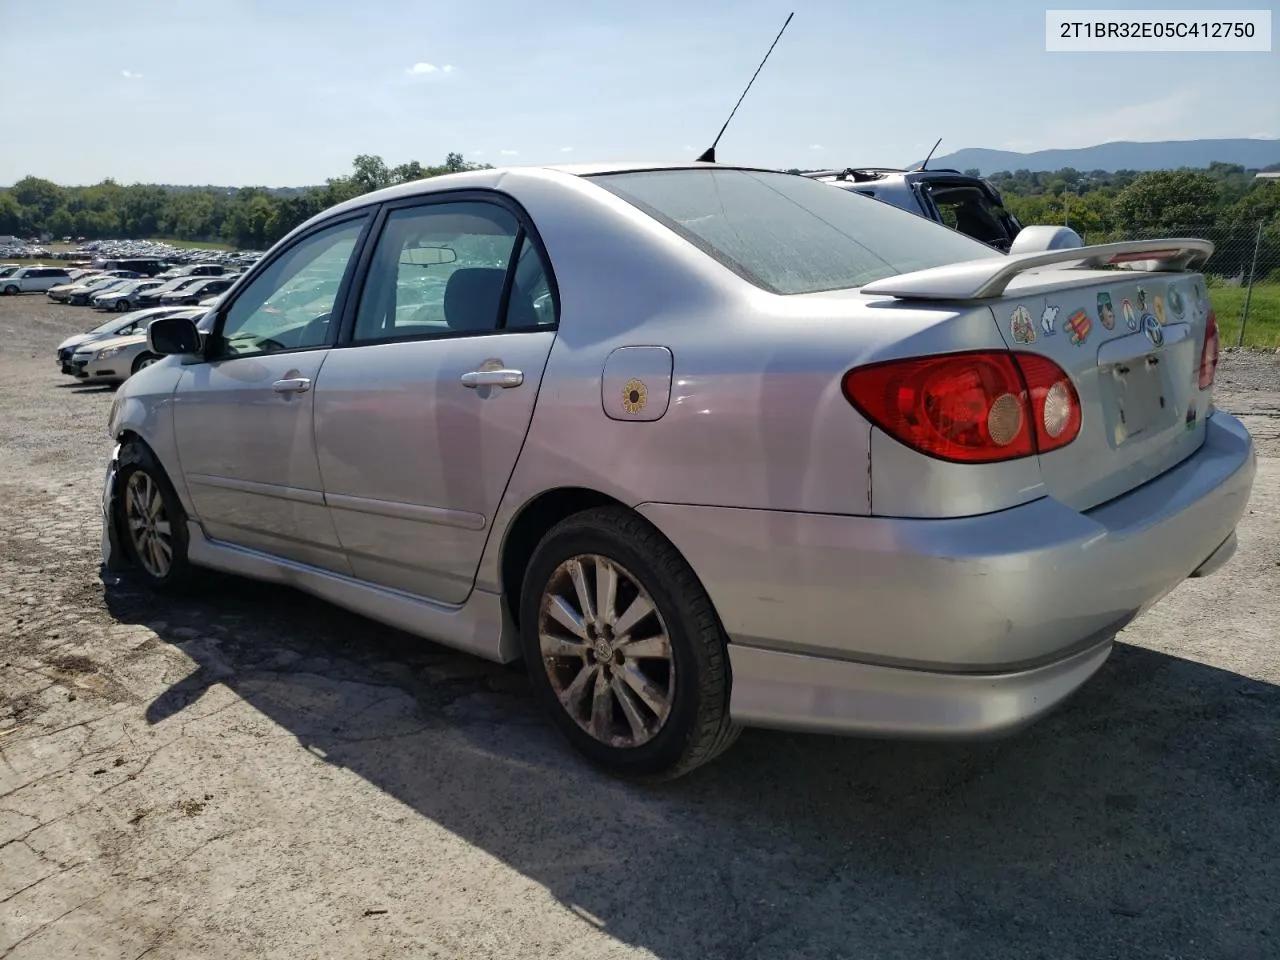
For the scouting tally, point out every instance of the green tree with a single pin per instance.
(1165, 199)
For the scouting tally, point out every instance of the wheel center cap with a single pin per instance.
(604, 651)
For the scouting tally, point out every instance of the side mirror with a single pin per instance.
(171, 336)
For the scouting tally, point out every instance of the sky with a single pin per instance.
(286, 93)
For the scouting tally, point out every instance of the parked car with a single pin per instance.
(114, 359)
(152, 298)
(194, 293)
(32, 279)
(756, 452)
(124, 297)
(95, 281)
(963, 202)
(140, 266)
(7, 269)
(79, 294)
(115, 327)
(198, 270)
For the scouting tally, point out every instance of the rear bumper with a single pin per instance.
(1011, 593)
(788, 691)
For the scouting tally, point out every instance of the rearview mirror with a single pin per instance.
(428, 256)
(173, 336)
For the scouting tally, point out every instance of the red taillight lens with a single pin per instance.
(1209, 355)
(969, 407)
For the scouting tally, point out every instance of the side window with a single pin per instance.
(532, 301)
(438, 269)
(288, 305)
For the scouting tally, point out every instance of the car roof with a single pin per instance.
(491, 177)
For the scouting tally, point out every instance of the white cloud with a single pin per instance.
(424, 69)
(566, 149)
(509, 153)
(477, 153)
(130, 75)
(816, 146)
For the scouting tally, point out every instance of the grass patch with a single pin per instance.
(1262, 329)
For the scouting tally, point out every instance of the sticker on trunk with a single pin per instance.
(1078, 326)
(1106, 312)
(1130, 318)
(1158, 305)
(1049, 319)
(1022, 326)
(1177, 302)
(1151, 327)
(1191, 416)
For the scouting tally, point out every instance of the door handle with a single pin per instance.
(292, 385)
(492, 378)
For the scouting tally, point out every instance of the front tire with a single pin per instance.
(624, 647)
(144, 360)
(10, 290)
(122, 306)
(151, 522)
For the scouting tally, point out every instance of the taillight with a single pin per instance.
(1209, 354)
(979, 407)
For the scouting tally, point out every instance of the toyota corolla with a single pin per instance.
(705, 447)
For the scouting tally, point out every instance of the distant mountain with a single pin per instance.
(1120, 155)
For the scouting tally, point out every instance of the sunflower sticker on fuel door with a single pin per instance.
(1022, 326)
(1078, 326)
(634, 396)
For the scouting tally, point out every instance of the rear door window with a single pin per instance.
(789, 234)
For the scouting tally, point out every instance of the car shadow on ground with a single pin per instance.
(1140, 820)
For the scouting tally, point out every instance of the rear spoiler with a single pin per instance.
(987, 278)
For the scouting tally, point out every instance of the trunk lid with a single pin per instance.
(1131, 342)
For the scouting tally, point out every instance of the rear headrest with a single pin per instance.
(472, 297)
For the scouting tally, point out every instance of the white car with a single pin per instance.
(33, 279)
(117, 358)
(115, 327)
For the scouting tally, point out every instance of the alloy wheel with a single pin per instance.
(607, 651)
(148, 522)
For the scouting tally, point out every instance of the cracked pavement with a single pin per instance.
(253, 773)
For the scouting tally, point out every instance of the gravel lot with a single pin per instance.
(256, 774)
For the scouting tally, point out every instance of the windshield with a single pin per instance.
(119, 323)
(790, 234)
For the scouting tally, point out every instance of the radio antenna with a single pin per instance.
(926, 160)
(709, 155)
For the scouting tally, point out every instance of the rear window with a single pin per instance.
(790, 234)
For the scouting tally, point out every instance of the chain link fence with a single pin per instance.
(1243, 275)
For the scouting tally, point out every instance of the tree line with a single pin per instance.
(1224, 202)
(250, 218)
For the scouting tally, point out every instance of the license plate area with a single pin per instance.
(1139, 399)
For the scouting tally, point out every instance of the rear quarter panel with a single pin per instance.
(756, 418)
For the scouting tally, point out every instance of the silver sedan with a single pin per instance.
(705, 447)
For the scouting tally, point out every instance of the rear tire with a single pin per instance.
(151, 522)
(650, 699)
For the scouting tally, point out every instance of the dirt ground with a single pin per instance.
(257, 774)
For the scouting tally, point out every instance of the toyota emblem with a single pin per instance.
(1151, 326)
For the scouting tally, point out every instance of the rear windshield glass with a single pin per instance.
(788, 234)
